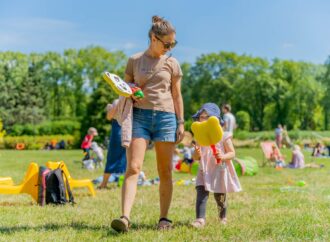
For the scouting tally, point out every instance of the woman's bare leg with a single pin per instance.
(164, 153)
(135, 156)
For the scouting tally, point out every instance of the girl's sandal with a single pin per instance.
(223, 221)
(121, 225)
(198, 223)
(164, 224)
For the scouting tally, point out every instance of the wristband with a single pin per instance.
(180, 121)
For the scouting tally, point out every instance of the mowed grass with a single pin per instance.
(268, 209)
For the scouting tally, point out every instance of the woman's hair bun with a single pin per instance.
(156, 19)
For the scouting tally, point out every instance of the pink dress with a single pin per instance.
(217, 178)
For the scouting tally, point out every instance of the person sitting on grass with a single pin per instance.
(318, 150)
(213, 177)
(298, 159)
(276, 157)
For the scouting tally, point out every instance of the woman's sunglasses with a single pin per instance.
(167, 45)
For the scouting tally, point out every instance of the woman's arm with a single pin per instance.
(178, 107)
(128, 78)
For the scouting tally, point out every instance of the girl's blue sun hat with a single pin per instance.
(212, 110)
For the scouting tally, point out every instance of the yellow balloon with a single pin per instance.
(208, 132)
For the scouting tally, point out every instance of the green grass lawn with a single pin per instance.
(267, 210)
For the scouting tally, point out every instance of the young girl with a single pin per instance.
(87, 142)
(212, 177)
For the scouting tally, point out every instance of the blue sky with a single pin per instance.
(286, 29)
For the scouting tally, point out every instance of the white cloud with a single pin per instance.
(129, 46)
(287, 45)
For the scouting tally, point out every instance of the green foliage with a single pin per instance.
(243, 120)
(39, 142)
(46, 128)
(325, 79)
(59, 127)
(253, 139)
(41, 88)
(280, 91)
(2, 133)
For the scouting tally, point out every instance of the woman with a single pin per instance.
(298, 159)
(157, 117)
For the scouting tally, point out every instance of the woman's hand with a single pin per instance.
(137, 99)
(179, 133)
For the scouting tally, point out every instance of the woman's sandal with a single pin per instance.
(121, 225)
(164, 224)
(198, 223)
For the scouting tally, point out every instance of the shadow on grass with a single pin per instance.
(54, 227)
(142, 226)
(78, 161)
(81, 226)
(14, 204)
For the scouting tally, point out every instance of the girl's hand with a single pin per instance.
(197, 150)
(220, 156)
(179, 133)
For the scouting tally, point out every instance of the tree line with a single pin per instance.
(48, 87)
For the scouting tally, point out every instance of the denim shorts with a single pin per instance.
(154, 125)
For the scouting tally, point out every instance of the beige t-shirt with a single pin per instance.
(154, 76)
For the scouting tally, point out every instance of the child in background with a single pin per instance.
(87, 142)
(212, 177)
(188, 151)
(175, 158)
(318, 150)
(98, 151)
(276, 157)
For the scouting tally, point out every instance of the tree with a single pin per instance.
(326, 99)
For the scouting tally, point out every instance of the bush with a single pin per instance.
(39, 142)
(243, 120)
(2, 133)
(16, 130)
(64, 127)
(45, 128)
(30, 129)
(187, 124)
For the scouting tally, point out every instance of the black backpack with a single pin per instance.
(52, 188)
